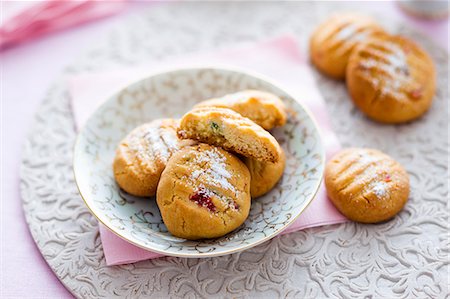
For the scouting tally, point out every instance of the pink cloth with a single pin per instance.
(47, 16)
(279, 59)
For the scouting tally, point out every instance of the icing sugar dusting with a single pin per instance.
(397, 58)
(214, 169)
(380, 189)
(370, 175)
(213, 172)
(395, 67)
(169, 138)
(195, 174)
(163, 142)
(351, 33)
(361, 36)
(346, 32)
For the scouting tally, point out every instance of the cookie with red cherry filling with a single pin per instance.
(204, 192)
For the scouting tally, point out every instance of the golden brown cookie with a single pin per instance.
(204, 192)
(142, 155)
(228, 129)
(366, 185)
(333, 41)
(264, 175)
(391, 79)
(264, 108)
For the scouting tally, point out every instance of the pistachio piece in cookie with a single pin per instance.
(228, 129)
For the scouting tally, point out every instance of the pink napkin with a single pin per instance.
(41, 17)
(279, 59)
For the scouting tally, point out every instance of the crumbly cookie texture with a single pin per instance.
(264, 108)
(366, 185)
(264, 175)
(204, 192)
(333, 41)
(391, 79)
(228, 129)
(142, 155)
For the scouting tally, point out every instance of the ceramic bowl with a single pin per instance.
(171, 94)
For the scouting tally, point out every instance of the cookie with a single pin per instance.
(228, 129)
(143, 154)
(391, 79)
(204, 192)
(264, 108)
(333, 41)
(264, 175)
(366, 185)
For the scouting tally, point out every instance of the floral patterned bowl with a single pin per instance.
(171, 94)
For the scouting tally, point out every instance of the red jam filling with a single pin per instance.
(416, 93)
(387, 178)
(202, 198)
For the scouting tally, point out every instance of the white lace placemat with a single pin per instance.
(406, 257)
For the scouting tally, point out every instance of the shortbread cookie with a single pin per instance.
(228, 129)
(142, 155)
(204, 192)
(333, 41)
(366, 185)
(264, 175)
(391, 79)
(264, 108)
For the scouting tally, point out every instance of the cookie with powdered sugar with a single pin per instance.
(143, 154)
(391, 79)
(204, 192)
(366, 185)
(268, 111)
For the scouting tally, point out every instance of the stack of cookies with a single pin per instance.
(389, 77)
(205, 168)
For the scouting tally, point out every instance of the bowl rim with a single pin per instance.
(217, 67)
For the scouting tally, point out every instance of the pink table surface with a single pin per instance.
(23, 271)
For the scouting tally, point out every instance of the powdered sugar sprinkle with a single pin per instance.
(366, 159)
(215, 170)
(395, 67)
(346, 32)
(162, 142)
(351, 33)
(380, 189)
